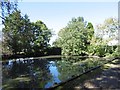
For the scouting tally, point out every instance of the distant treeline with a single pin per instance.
(49, 51)
(23, 38)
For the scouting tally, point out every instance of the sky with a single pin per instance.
(57, 14)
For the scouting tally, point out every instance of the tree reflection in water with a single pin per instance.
(44, 73)
(26, 73)
(73, 66)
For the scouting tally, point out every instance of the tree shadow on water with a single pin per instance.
(105, 77)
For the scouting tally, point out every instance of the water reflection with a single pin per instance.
(44, 73)
(54, 71)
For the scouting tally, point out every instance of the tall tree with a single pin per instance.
(6, 8)
(108, 30)
(13, 31)
(41, 36)
(106, 33)
(21, 35)
(75, 37)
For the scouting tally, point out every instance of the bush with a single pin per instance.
(102, 50)
(116, 53)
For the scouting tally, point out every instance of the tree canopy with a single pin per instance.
(108, 30)
(75, 37)
(7, 7)
(21, 35)
(102, 44)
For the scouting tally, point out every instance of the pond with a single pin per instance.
(44, 73)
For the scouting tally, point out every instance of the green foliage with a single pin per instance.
(7, 7)
(73, 66)
(107, 32)
(116, 52)
(100, 48)
(109, 28)
(21, 35)
(75, 37)
(11, 32)
(41, 36)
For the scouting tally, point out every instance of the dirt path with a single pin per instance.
(105, 78)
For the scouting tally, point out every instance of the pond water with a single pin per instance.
(44, 73)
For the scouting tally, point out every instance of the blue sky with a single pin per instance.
(56, 15)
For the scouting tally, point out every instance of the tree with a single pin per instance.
(11, 32)
(7, 7)
(21, 35)
(41, 36)
(105, 33)
(108, 30)
(75, 37)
